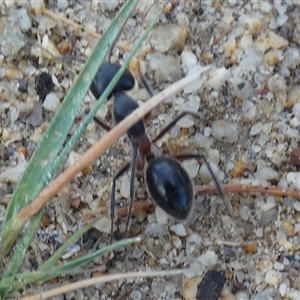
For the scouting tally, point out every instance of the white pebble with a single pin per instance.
(281, 20)
(281, 8)
(21, 15)
(296, 110)
(282, 289)
(135, 295)
(265, 6)
(203, 141)
(109, 5)
(176, 241)
(256, 128)
(293, 179)
(273, 278)
(291, 58)
(297, 227)
(156, 230)
(125, 186)
(223, 128)
(245, 212)
(242, 295)
(103, 224)
(266, 173)
(246, 41)
(195, 238)
(205, 174)
(191, 166)
(275, 41)
(259, 232)
(207, 131)
(51, 102)
(243, 88)
(278, 266)
(251, 60)
(208, 259)
(178, 229)
(217, 78)
(276, 84)
(293, 294)
(14, 114)
(62, 4)
(188, 60)
(297, 205)
(280, 236)
(161, 216)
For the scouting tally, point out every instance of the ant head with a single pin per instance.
(104, 76)
(170, 187)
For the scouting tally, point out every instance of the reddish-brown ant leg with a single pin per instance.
(173, 122)
(132, 177)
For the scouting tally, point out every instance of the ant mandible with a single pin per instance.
(168, 183)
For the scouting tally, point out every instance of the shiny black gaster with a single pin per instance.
(170, 187)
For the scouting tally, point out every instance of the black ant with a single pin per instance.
(169, 184)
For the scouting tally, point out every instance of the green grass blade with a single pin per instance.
(20, 280)
(58, 254)
(69, 266)
(19, 253)
(35, 177)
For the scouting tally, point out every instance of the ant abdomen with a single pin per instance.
(170, 187)
(104, 76)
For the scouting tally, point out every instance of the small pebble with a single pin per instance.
(170, 36)
(297, 205)
(135, 295)
(282, 289)
(51, 102)
(278, 266)
(156, 230)
(208, 259)
(268, 217)
(273, 278)
(259, 232)
(178, 229)
(256, 128)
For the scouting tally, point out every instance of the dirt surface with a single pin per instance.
(249, 105)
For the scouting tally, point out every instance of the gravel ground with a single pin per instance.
(250, 106)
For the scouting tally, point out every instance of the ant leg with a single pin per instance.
(113, 198)
(173, 122)
(132, 177)
(145, 82)
(214, 178)
(101, 124)
(147, 85)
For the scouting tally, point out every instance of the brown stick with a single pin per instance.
(211, 190)
(237, 188)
